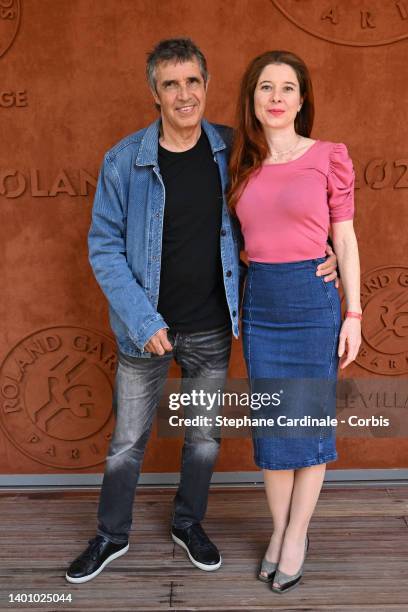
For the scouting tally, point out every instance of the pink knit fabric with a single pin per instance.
(286, 209)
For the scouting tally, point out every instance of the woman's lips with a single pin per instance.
(276, 112)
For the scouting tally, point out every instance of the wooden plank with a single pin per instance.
(356, 561)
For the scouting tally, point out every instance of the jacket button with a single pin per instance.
(234, 313)
(223, 232)
(229, 273)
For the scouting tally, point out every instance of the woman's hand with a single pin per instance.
(349, 342)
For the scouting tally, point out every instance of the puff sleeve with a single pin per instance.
(340, 184)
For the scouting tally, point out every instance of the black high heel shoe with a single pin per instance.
(287, 582)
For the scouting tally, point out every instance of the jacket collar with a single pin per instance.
(148, 150)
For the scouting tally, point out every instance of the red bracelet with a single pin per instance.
(354, 315)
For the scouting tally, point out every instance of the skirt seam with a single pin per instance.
(250, 324)
(332, 355)
(334, 325)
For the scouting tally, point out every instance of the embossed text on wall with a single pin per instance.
(350, 22)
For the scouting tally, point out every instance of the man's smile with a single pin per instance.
(186, 109)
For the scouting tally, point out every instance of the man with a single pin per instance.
(164, 251)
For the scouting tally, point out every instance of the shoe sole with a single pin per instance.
(282, 591)
(201, 566)
(98, 571)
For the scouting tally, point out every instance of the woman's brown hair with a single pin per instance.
(249, 147)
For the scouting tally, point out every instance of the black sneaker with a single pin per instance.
(201, 551)
(91, 562)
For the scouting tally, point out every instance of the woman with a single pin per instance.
(287, 190)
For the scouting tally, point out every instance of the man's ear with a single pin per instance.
(208, 80)
(155, 96)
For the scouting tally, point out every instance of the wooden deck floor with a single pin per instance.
(357, 561)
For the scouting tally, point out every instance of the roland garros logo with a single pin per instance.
(10, 15)
(360, 23)
(384, 297)
(56, 396)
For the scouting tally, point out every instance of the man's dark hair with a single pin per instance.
(176, 50)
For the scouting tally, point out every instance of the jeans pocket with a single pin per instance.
(127, 360)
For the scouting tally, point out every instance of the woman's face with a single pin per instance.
(277, 96)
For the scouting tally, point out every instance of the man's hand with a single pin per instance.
(328, 269)
(158, 344)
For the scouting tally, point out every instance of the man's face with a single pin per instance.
(181, 93)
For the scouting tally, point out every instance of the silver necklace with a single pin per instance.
(275, 155)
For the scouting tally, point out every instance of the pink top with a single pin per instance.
(286, 209)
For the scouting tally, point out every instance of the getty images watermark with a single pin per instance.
(254, 401)
(218, 400)
(283, 407)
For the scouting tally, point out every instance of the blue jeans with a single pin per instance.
(203, 358)
(291, 322)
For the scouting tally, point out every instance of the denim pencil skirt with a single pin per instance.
(291, 323)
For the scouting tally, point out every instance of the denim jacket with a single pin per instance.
(125, 238)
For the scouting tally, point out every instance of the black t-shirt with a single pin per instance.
(192, 295)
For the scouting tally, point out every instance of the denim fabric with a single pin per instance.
(291, 324)
(203, 358)
(125, 237)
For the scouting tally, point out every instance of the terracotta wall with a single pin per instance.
(71, 85)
